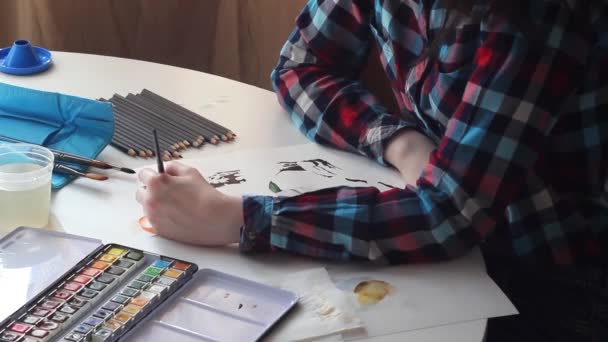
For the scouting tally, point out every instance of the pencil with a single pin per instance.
(128, 135)
(149, 115)
(123, 148)
(201, 135)
(131, 120)
(134, 133)
(159, 160)
(185, 136)
(137, 122)
(191, 117)
(220, 131)
(185, 111)
(206, 133)
(197, 138)
(131, 137)
(125, 121)
(165, 149)
(126, 141)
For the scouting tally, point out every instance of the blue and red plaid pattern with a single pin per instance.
(521, 128)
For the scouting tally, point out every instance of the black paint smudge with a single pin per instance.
(356, 180)
(387, 185)
(290, 166)
(323, 166)
(223, 178)
(320, 167)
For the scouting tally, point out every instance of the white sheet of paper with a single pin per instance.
(322, 310)
(293, 169)
(425, 295)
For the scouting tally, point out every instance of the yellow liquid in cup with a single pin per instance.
(28, 206)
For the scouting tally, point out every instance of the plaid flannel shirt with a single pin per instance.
(521, 128)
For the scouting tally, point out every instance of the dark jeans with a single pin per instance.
(554, 304)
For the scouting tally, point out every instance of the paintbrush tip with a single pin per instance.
(127, 170)
(96, 176)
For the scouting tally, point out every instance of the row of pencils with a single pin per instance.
(136, 115)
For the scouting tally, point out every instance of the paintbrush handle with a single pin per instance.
(159, 159)
(59, 168)
(70, 158)
(3, 138)
(67, 170)
(58, 154)
(73, 158)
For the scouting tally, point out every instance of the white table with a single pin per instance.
(253, 113)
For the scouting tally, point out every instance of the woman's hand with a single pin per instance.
(182, 206)
(409, 152)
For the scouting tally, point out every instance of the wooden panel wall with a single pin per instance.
(238, 39)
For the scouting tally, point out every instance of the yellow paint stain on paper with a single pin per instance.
(370, 292)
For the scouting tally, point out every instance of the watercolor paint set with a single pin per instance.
(61, 287)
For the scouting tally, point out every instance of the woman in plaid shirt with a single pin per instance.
(502, 138)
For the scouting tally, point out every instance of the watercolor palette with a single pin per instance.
(113, 291)
(199, 309)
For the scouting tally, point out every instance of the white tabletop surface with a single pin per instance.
(253, 113)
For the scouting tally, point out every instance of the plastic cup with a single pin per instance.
(25, 186)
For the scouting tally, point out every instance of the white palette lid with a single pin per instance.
(215, 306)
(31, 259)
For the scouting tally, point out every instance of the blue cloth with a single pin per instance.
(61, 122)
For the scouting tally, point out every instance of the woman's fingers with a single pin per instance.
(139, 195)
(145, 176)
(179, 169)
(147, 199)
(154, 182)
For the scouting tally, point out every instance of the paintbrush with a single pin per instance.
(159, 159)
(69, 171)
(75, 159)
(71, 158)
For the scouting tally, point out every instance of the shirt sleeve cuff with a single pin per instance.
(255, 233)
(381, 132)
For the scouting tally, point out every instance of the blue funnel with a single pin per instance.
(24, 59)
